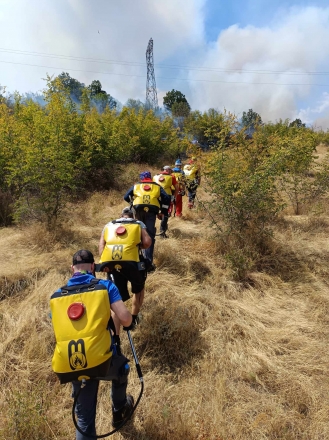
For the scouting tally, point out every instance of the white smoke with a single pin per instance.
(294, 41)
(318, 115)
(98, 29)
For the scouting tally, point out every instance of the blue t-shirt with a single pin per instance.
(113, 291)
(178, 170)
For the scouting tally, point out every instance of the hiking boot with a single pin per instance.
(123, 413)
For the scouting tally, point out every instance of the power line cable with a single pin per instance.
(168, 66)
(164, 77)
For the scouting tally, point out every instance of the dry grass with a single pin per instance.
(221, 360)
(321, 152)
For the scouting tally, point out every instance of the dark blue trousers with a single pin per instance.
(149, 218)
(87, 400)
(164, 221)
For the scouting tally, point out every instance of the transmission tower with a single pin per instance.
(151, 88)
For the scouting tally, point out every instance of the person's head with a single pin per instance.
(83, 260)
(127, 212)
(192, 160)
(167, 169)
(145, 175)
(178, 163)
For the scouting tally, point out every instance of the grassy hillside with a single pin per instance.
(222, 360)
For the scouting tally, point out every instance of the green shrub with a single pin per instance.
(246, 182)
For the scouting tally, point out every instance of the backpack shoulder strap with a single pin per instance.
(89, 286)
(133, 221)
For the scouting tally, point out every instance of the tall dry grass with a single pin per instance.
(221, 360)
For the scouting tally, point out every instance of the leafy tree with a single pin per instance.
(241, 181)
(295, 154)
(2, 98)
(96, 89)
(180, 109)
(85, 105)
(42, 167)
(7, 136)
(100, 98)
(135, 104)
(251, 182)
(207, 127)
(174, 97)
(323, 137)
(74, 86)
(297, 123)
(94, 93)
(142, 136)
(250, 119)
(47, 152)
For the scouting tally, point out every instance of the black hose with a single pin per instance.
(141, 379)
(113, 430)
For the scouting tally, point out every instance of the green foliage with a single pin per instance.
(142, 137)
(73, 86)
(174, 97)
(297, 123)
(2, 97)
(180, 109)
(323, 137)
(96, 88)
(250, 119)
(8, 131)
(243, 188)
(247, 182)
(100, 98)
(305, 187)
(48, 153)
(206, 127)
(295, 161)
(135, 104)
(78, 92)
(40, 166)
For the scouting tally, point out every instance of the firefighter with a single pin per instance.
(180, 177)
(148, 199)
(169, 184)
(119, 248)
(81, 311)
(192, 180)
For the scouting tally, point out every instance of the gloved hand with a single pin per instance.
(132, 326)
(136, 319)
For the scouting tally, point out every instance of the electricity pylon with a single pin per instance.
(151, 88)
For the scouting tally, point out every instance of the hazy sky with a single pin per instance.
(271, 56)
